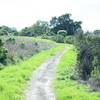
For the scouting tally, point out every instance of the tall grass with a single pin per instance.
(22, 48)
(67, 89)
(13, 79)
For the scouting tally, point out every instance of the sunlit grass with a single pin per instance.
(67, 89)
(13, 79)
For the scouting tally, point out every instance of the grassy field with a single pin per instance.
(67, 89)
(22, 48)
(13, 79)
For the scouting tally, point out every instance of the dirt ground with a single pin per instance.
(40, 85)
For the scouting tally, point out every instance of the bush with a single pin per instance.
(3, 53)
(44, 36)
(88, 57)
(58, 38)
(11, 40)
(11, 59)
(69, 39)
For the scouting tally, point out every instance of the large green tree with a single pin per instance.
(5, 30)
(41, 27)
(37, 29)
(64, 22)
(27, 31)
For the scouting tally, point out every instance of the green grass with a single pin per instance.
(13, 79)
(67, 89)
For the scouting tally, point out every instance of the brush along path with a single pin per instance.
(40, 85)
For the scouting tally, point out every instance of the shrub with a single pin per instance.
(3, 53)
(11, 59)
(44, 36)
(11, 40)
(88, 57)
(69, 39)
(58, 38)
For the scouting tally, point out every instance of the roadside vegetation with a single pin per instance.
(65, 86)
(13, 79)
(22, 48)
(88, 59)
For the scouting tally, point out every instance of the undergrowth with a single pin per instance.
(67, 89)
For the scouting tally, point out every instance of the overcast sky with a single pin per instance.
(21, 13)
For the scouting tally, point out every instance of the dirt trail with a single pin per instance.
(40, 86)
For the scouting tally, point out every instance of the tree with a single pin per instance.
(58, 38)
(5, 30)
(64, 22)
(41, 27)
(27, 31)
(37, 29)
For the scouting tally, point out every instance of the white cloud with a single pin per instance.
(21, 13)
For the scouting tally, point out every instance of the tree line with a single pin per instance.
(63, 22)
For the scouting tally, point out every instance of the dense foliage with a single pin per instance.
(5, 30)
(37, 29)
(88, 58)
(58, 27)
(66, 88)
(3, 53)
(64, 22)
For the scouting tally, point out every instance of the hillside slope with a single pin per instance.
(13, 79)
(22, 48)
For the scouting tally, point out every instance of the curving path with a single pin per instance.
(40, 86)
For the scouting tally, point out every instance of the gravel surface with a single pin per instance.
(40, 85)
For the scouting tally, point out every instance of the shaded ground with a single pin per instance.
(40, 85)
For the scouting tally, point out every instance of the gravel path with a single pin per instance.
(40, 86)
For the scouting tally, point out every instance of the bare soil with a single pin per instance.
(40, 86)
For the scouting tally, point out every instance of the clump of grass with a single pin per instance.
(67, 89)
(13, 79)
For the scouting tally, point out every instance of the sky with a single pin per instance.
(23, 13)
